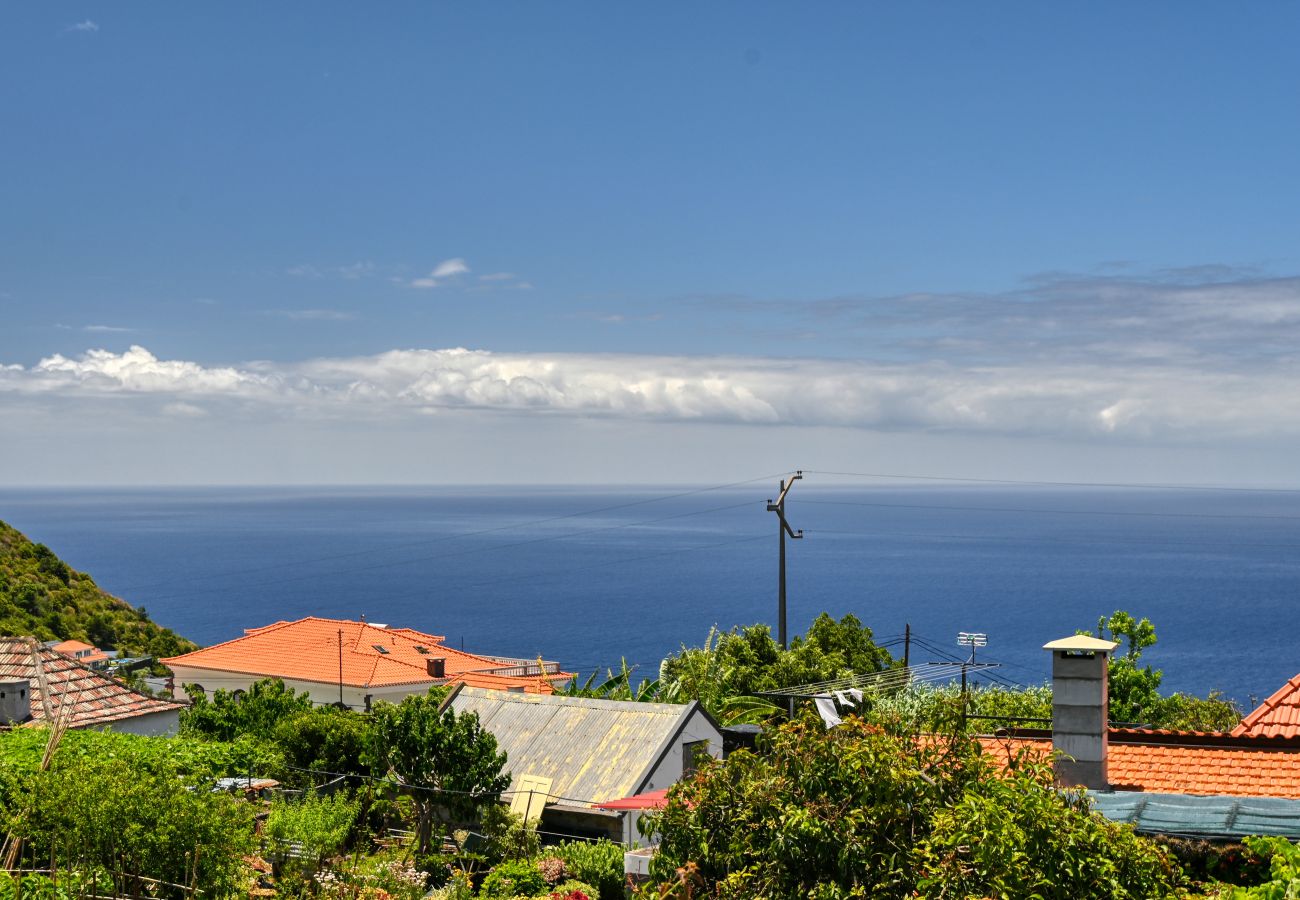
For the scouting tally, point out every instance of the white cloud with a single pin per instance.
(134, 371)
(449, 267)
(304, 271)
(85, 26)
(497, 276)
(1136, 402)
(112, 329)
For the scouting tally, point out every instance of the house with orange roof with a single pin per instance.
(354, 663)
(86, 654)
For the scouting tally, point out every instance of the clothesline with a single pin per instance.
(888, 681)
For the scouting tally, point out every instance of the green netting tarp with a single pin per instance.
(1207, 817)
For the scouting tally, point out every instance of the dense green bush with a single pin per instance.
(316, 826)
(1284, 871)
(598, 863)
(133, 816)
(514, 878)
(866, 810)
(256, 712)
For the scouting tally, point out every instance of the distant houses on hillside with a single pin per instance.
(354, 663)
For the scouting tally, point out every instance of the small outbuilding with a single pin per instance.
(568, 755)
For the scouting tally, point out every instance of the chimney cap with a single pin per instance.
(1081, 643)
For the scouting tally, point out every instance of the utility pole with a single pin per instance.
(907, 645)
(783, 528)
(340, 668)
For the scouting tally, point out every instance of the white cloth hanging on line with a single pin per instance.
(826, 709)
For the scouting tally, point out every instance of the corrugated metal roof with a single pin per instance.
(591, 749)
(1209, 817)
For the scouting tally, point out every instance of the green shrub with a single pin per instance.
(870, 811)
(573, 889)
(514, 878)
(1284, 871)
(320, 825)
(598, 863)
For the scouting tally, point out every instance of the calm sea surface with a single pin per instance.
(587, 576)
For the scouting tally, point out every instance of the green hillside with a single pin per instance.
(40, 595)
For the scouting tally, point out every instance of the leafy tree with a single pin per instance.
(1135, 688)
(256, 712)
(732, 667)
(866, 810)
(447, 760)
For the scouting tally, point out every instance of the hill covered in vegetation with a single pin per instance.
(41, 596)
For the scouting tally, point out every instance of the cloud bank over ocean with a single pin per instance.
(1135, 401)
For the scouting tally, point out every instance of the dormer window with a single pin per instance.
(381, 648)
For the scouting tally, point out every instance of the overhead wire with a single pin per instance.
(1052, 511)
(1078, 484)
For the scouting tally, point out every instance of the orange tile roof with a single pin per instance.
(372, 655)
(91, 698)
(503, 682)
(72, 647)
(1185, 762)
(1278, 716)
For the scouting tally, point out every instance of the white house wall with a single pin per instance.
(158, 724)
(321, 693)
(669, 770)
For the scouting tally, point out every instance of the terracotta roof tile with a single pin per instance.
(1278, 716)
(1184, 763)
(92, 697)
(372, 655)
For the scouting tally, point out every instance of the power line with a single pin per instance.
(1082, 484)
(1051, 511)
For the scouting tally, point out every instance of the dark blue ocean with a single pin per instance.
(586, 576)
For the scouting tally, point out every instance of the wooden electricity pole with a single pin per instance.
(783, 529)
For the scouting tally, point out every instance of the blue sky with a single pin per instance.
(863, 228)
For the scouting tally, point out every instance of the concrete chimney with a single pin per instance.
(15, 701)
(437, 667)
(1080, 710)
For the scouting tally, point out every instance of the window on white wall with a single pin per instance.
(693, 752)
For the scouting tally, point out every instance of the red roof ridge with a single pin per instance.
(1287, 695)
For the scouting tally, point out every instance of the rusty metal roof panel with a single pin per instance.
(591, 749)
